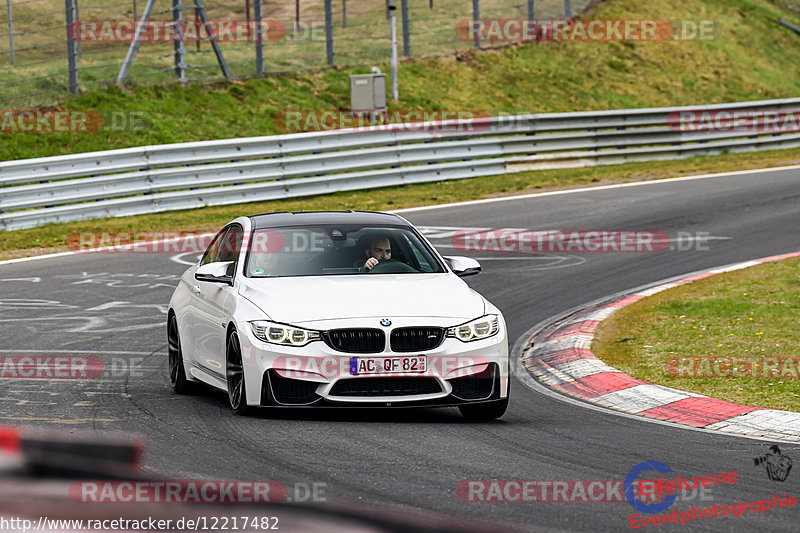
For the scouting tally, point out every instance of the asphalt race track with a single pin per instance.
(113, 306)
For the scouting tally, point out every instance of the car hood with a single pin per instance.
(306, 299)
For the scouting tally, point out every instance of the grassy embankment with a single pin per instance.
(705, 337)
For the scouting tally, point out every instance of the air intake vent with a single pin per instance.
(385, 387)
(476, 387)
(288, 391)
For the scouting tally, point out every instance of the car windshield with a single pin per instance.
(338, 250)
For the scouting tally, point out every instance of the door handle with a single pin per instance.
(196, 289)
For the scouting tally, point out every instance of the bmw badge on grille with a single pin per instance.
(386, 322)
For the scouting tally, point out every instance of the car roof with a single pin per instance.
(313, 218)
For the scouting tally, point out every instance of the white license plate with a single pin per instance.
(387, 365)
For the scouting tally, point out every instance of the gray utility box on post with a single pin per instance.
(368, 92)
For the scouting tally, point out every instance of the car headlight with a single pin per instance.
(282, 334)
(480, 328)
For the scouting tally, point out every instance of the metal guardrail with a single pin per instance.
(152, 179)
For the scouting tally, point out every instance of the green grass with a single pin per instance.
(752, 58)
(670, 337)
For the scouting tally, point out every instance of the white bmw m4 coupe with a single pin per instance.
(343, 309)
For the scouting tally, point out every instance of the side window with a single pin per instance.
(225, 247)
(211, 254)
(231, 244)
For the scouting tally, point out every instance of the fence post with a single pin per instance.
(72, 59)
(393, 44)
(406, 29)
(344, 13)
(329, 30)
(567, 9)
(10, 30)
(180, 51)
(476, 16)
(77, 20)
(259, 38)
(531, 14)
(223, 65)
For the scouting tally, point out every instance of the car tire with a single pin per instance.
(177, 372)
(234, 372)
(484, 411)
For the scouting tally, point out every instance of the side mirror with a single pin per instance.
(215, 272)
(463, 266)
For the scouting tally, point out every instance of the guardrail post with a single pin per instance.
(476, 16)
(531, 14)
(406, 29)
(72, 59)
(329, 31)
(10, 30)
(259, 38)
(567, 9)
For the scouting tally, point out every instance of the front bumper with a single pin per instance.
(457, 373)
(382, 392)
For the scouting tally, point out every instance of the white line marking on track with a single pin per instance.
(180, 260)
(108, 305)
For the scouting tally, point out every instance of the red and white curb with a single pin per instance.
(561, 359)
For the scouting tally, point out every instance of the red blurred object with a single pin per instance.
(9, 439)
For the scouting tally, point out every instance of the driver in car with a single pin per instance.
(379, 249)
